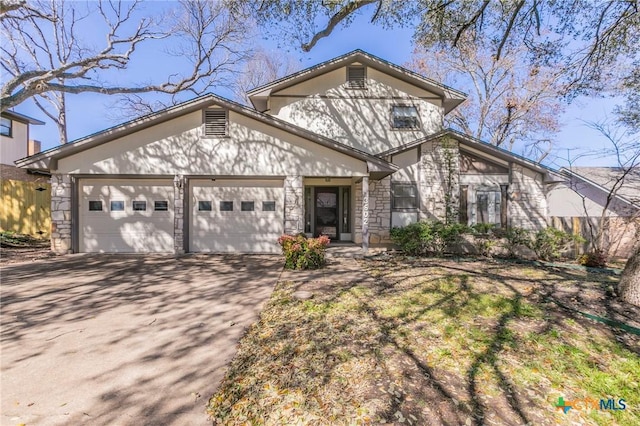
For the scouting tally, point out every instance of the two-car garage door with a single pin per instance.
(118, 216)
(137, 216)
(240, 216)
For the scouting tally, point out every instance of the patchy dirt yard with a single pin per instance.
(15, 248)
(430, 342)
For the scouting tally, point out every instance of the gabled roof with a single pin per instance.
(604, 179)
(451, 97)
(47, 159)
(550, 174)
(21, 117)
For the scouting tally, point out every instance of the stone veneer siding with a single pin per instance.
(527, 205)
(439, 172)
(61, 213)
(379, 211)
(293, 205)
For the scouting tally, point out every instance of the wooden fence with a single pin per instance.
(26, 208)
(621, 233)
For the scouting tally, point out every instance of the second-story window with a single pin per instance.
(6, 127)
(356, 77)
(404, 117)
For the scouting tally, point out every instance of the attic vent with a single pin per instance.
(355, 77)
(215, 122)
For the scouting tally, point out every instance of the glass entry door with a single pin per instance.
(326, 212)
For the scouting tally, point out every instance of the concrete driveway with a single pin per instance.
(118, 339)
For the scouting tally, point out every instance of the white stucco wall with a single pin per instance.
(15, 147)
(566, 202)
(178, 147)
(358, 118)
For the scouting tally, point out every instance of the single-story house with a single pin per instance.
(587, 193)
(348, 148)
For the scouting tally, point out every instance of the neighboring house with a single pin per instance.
(16, 144)
(26, 201)
(347, 148)
(583, 196)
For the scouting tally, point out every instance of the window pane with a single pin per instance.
(95, 206)
(204, 206)
(405, 117)
(482, 202)
(268, 206)
(5, 127)
(226, 206)
(117, 206)
(139, 206)
(161, 206)
(246, 206)
(346, 198)
(405, 195)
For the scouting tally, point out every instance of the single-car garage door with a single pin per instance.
(241, 216)
(126, 216)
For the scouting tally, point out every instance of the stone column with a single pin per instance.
(61, 213)
(293, 205)
(365, 214)
(179, 184)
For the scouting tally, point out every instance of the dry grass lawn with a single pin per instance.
(435, 341)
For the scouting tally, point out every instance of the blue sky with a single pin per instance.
(89, 113)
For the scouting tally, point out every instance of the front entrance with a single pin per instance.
(328, 212)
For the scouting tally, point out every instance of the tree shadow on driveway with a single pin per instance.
(125, 339)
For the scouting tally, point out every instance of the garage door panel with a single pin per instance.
(126, 230)
(254, 231)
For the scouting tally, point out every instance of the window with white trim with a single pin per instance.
(216, 122)
(161, 206)
(404, 196)
(6, 127)
(95, 206)
(404, 117)
(139, 206)
(483, 204)
(204, 206)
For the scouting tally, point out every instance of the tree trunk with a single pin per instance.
(629, 288)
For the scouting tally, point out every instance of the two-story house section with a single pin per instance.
(361, 101)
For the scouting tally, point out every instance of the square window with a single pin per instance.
(139, 206)
(95, 206)
(404, 117)
(226, 206)
(404, 195)
(204, 206)
(6, 127)
(161, 206)
(268, 206)
(246, 206)
(117, 206)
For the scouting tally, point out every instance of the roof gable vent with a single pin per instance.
(215, 122)
(356, 77)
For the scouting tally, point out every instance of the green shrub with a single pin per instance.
(515, 239)
(301, 252)
(427, 237)
(549, 243)
(594, 259)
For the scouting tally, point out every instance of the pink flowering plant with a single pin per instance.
(301, 252)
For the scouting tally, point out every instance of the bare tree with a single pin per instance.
(586, 39)
(45, 56)
(621, 145)
(510, 99)
(263, 67)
